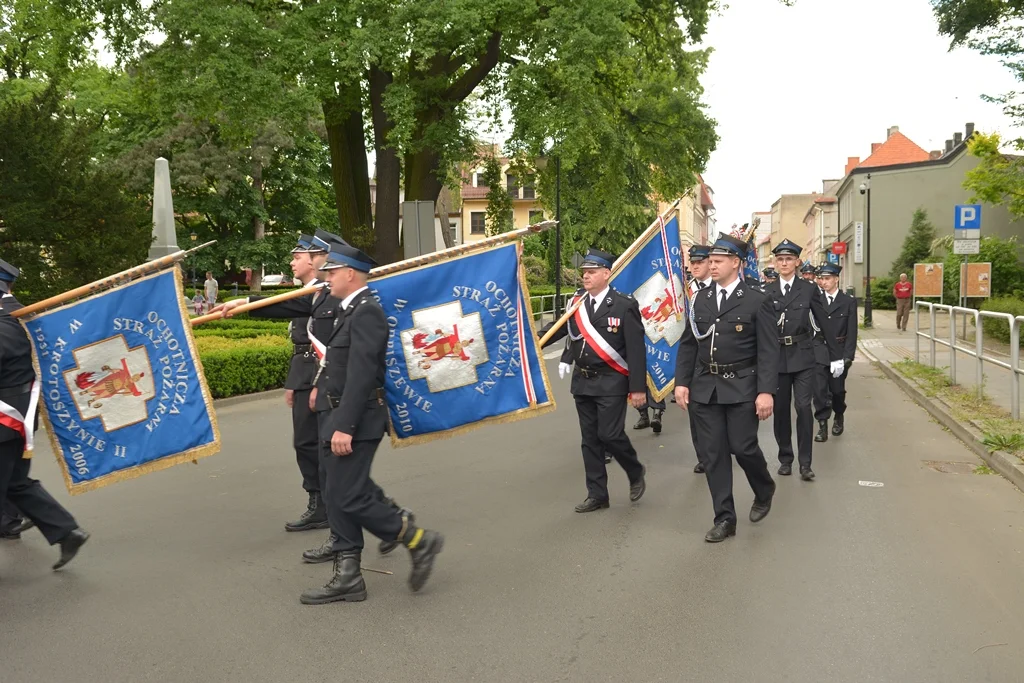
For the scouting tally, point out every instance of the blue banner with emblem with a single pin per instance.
(461, 350)
(123, 389)
(750, 270)
(654, 277)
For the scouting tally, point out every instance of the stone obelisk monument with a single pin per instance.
(165, 239)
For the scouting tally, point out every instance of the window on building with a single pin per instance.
(477, 175)
(455, 233)
(528, 190)
(536, 216)
(477, 223)
(511, 182)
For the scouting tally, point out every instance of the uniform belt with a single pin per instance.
(793, 339)
(10, 392)
(722, 368)
(841, 339)
(375, 395)
(302, 348)
(596, 371)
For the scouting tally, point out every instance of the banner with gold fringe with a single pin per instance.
(121, 383)
(461, 350)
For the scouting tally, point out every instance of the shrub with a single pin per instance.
(243, 321)
(999, 329)
(245, 369)
(217, 343)
(536, 271)
(240, 333)
(881, 293)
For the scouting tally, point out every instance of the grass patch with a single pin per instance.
(999, 431)
(984, 469)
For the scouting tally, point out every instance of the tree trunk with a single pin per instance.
(421, 181)
(343, 116)
(388, 248)
(444, 207)
(259, 228)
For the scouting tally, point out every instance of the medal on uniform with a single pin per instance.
(613, 325)
(739, 328)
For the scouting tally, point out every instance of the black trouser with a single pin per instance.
(730, 428)
(832, 387)
(603, 430)
(693, 435)
(305, 439)
(354, 501)
(9, 514)
(651, 403)
(29, 496)
(798, 386)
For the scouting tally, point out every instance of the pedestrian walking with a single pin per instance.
(700, 267)
(839, 326)
(212, 289)
(606, 346)
(645, 420)
(353, 387)
(794, 302)
(904, 293)
(726, 373)
(19, 394)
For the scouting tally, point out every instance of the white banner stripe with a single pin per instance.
(600, 344)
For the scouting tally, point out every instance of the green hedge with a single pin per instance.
(240, 333)
(246, 370)
(882, 297)
(999, 329)
(244, 322)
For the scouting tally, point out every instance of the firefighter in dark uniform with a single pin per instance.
(12, 522)
(840, 326)
(726, 373)
(807, 272)
(606, 345)
(700, 268)
(353, 387)
(307, 257)
(770, 276)
(794, 301)
(645, 419)
(17, 378)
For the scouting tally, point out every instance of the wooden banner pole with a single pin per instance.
(294, 294)
(616, 267)
(114, 280)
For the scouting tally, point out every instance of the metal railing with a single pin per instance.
(544, 305)
(978, 352)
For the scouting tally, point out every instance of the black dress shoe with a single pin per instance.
(760, 509)
(69, 546)
(837, 426)
(637, 488)
(822, 434)
(806, 473)
(699, 468)
(591, 504)
(423, 553)
(23, 526)
(607, 458)
(720, 532)
(644, 422)
(346, 583)
(656, 422)
(9, 534)
(315, 516)
(322, 553)
(785, 469)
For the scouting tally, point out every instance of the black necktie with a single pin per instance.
(701, 285)
(722, 304)
(785, 289)
(829, 299)
(590, 305)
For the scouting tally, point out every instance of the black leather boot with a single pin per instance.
(315, 516)
(322, 553)
(837, 425)
(424, 546)
(644, 422)
(386, 547)
(822, 434)
(656, 422)
(69, 546)
(345, 585)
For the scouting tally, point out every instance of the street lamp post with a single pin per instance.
(193, 237)
(865, 189)
(558, 237)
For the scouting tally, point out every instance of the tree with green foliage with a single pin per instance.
(998, 178)
(917, 245)
(499, 202)
(1003, 254)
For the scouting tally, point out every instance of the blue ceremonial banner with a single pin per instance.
(750, 270)
(653, 275)
(121, 382)
(461, 349)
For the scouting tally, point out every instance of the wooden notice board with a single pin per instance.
(927, 279)
(976, 279)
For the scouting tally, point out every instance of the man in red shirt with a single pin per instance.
(904, 292)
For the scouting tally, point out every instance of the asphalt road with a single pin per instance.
(189, 575)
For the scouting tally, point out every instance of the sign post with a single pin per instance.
(858, 242)
(966, 241)
(928, 280)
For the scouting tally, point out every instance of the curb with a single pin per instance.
(247, 398)
(1002, 462)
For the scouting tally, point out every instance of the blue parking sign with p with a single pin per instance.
(967, 217)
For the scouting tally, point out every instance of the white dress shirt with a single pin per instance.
(729, 289)
(348, 299)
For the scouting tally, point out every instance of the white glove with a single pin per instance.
(836, 367)
(563, 370)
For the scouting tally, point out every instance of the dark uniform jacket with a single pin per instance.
(617, 320)
(353, 378)
(838, 326)
(16, 372)
(304, 362)
(794, 335)
(740, 359)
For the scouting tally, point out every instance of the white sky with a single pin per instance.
(796, 90)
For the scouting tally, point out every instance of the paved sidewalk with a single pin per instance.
(887, 343)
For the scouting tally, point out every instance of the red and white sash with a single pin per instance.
(608, 354)
(12, 418)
